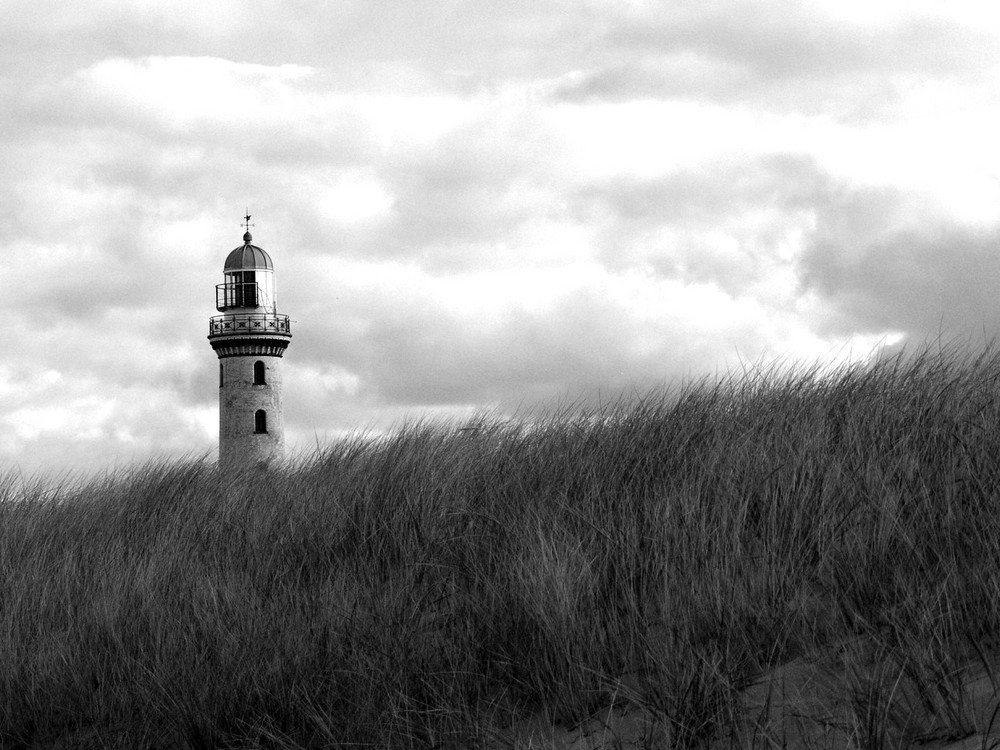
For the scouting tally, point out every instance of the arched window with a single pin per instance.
(258, 373)
(260, 421)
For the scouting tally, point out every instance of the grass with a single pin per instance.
(435, 587)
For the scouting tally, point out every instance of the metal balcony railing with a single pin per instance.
(237, 323)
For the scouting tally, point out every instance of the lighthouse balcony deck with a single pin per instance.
(242, 324)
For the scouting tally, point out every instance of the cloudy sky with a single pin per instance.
(477, 205)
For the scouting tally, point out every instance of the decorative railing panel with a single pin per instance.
(239, 323)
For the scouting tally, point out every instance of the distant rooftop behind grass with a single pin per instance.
(437, 586)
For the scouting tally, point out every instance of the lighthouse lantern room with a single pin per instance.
(249, 338)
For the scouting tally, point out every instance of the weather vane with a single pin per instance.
(246, 220)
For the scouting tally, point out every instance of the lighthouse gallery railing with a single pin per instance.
(236, 323)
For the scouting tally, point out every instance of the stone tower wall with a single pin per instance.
(239, 400)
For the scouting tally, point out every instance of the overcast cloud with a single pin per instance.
(475, 205)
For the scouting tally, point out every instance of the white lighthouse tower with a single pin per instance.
(250, 337)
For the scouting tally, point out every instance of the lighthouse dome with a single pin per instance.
(248, 257)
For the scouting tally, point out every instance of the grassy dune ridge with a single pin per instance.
(433, 587)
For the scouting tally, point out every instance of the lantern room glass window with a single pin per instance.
(240, 290)
(244, 289)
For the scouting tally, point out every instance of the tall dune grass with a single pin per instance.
(431, 588)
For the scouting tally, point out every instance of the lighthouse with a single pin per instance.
(250, 338)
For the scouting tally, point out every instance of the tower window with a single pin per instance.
(245, 288)
(258, 373)
(260, 421)
(220, 375)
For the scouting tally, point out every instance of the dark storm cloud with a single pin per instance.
(924, 280)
